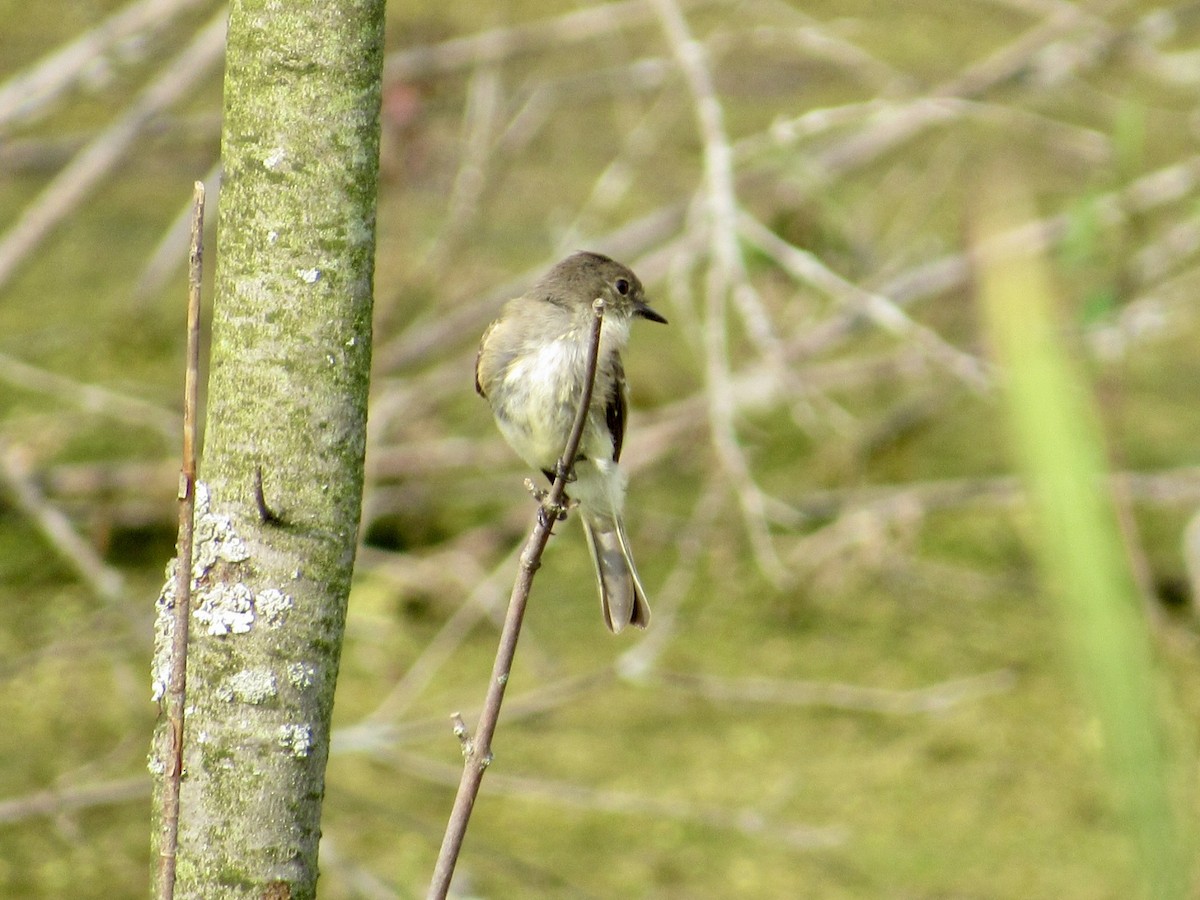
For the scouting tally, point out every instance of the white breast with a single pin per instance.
(542, 387)
(538, 415)
(547, 366)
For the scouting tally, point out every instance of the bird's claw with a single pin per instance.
(549, 513)
(568, 476)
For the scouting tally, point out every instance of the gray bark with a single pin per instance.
(287, 396)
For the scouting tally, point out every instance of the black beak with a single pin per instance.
(641, 310)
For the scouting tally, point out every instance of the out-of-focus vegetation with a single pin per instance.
(1060, 448)
(855, 684)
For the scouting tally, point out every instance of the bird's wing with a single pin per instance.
(616, 407)
(479, 358)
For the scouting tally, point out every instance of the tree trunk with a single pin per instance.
(286, 410)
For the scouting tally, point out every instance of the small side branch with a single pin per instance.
(177, 680)
(478, 750)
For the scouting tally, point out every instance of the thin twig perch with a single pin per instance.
(478, 750)
(177, 680)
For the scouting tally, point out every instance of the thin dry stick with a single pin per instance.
(163, 263)
(478, 751)
(177, 681)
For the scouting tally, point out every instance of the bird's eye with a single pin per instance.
(622, 286)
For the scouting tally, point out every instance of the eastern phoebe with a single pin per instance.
(530, 369)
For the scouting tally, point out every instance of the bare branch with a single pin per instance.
(172, 754)
(551, 508)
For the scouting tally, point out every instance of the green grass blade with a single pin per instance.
(1059, 448)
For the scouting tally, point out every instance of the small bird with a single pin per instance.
(531, 367)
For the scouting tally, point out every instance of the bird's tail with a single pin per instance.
(622, 598)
